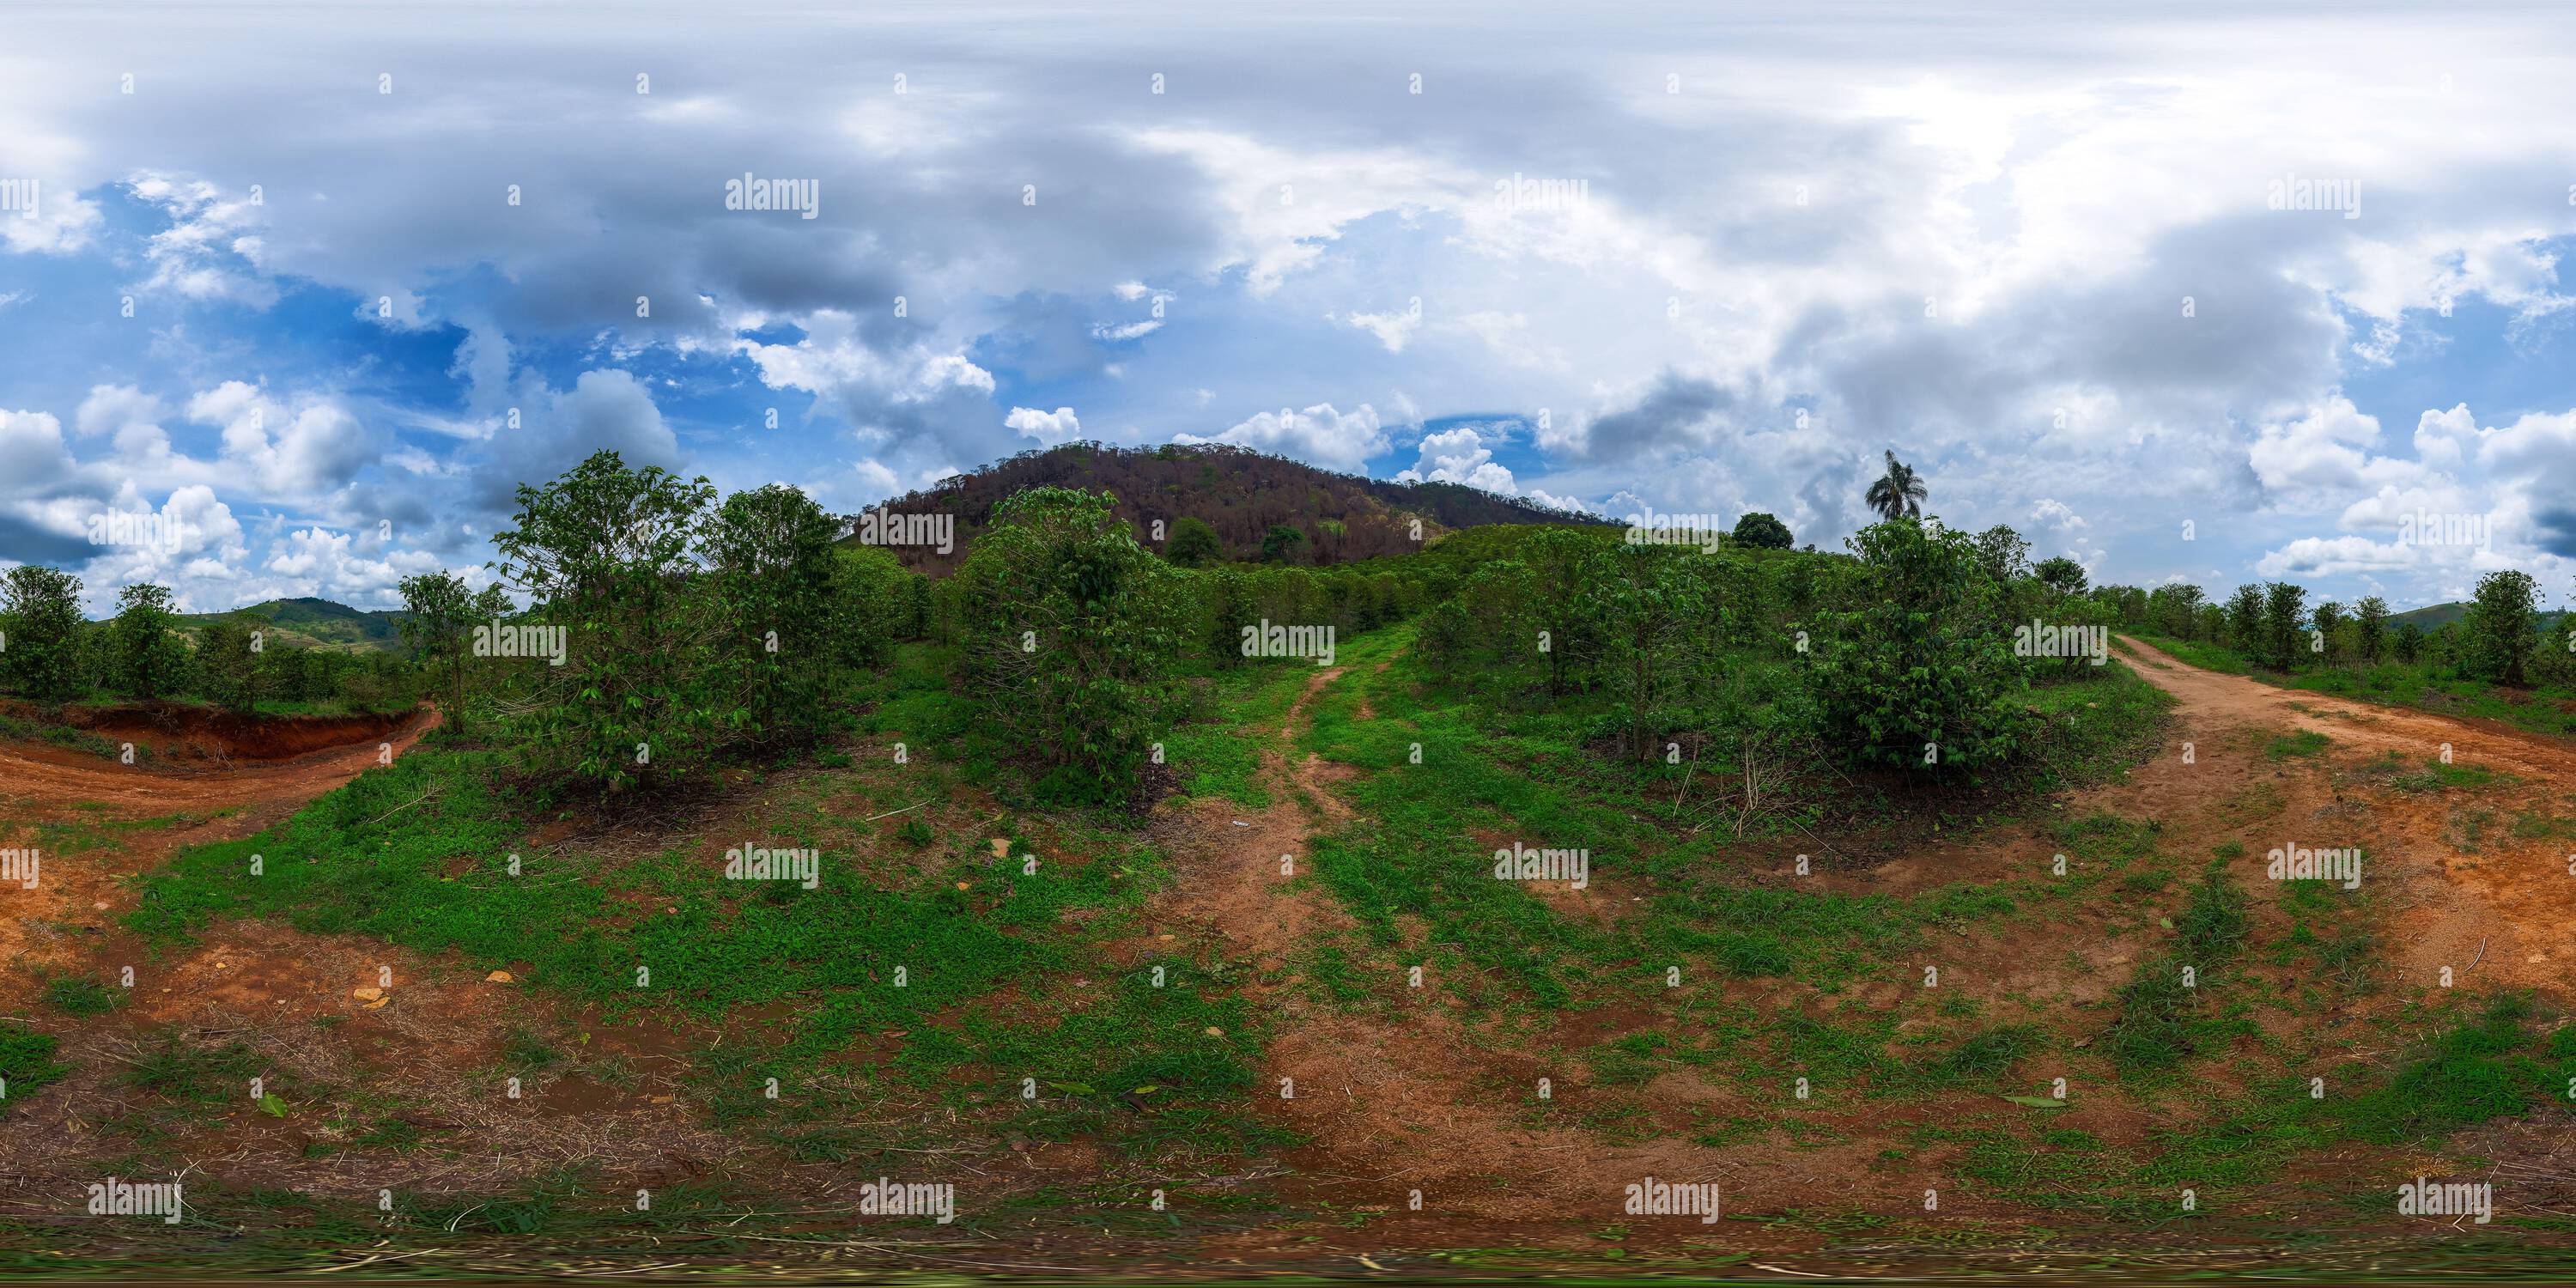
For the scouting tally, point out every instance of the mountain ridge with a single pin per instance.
(1239, 492)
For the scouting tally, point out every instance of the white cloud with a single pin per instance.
(1319, 435)
(1048, 427)
(1460, 456)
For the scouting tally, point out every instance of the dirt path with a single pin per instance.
(123, 819)
(2484, 873)
(1394, 1095)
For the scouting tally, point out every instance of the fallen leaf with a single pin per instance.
(366, 993)
(497, 977)
(376, 1005)
(1001, 847)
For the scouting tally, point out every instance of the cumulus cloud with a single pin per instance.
(1048, 427)
(1460, 456)
(1319, 435)
(1933, 241)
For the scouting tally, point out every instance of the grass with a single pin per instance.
(26, 1060)
(931, 987)
(21, 727)
(2486, 1059)
(80, 996)
(2163, 1019)
(991, 964)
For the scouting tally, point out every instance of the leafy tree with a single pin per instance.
(2330, 620)
(229, 664)
(1069, 639)
(2370, 627)
(1193, 543)
(2004, 552)
(1648, 606)
(770, 568)
(2175, 607)
(1917, 669)
(605, 552)
(2503, 617)
(1556, 569)
(2284, 610)
(40, 629)
(2409, 642)
(439, 616)
(1898, 493)
(147, 655)
(875, 601)
(2245, 620)
(1760, 531)
(1279, 544)
(2061, 574)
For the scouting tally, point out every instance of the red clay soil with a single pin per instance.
(209, 734)
(1407, 1097)
(80, 893)
(2504, 902)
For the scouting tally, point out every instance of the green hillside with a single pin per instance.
(320, 623)
(2430, 617)
(2440, 615)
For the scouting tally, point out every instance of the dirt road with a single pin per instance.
(2483, 874)
(96, 820)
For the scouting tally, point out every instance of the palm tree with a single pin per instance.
(1897, 495)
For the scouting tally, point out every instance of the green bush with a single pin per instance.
(1070, 638)
(1916, 668)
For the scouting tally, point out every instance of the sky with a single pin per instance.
(292, 299)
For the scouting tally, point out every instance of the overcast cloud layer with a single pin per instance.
(322, 288)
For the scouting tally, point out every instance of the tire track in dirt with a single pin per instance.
(1398, 1097)
(2505, 904)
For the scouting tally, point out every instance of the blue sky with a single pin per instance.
(2089, 270)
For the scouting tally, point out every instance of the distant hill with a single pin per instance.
(2429, 617)
(319, 623)
(1237, 491)
(2439, 615)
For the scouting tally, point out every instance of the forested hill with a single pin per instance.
(1239, 492)
(317, 623)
